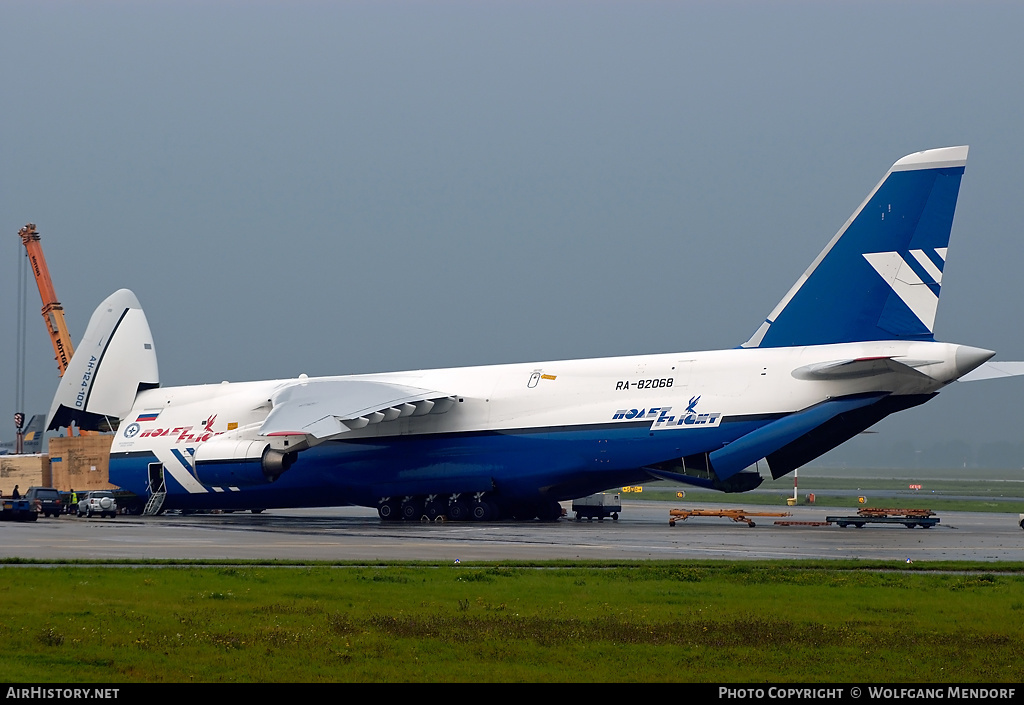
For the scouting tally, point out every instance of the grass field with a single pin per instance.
(643, 622)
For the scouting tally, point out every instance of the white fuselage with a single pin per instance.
(676, 404)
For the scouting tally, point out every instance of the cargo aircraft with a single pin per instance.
(849, 344)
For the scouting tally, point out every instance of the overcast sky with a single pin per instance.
(343, 187)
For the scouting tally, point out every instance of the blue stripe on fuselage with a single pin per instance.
(518, 462)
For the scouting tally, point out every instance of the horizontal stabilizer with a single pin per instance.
(325, 408)
(747, 450)
(836, 431)
(994, 370)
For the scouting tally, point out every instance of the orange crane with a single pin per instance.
(53, 312)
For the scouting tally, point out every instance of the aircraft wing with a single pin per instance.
(324, 408)
(994, 370)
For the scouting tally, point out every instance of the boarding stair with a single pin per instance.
(154, 504)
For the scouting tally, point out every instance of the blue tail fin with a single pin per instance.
(879, 277)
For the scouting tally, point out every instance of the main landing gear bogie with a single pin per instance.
(463, 507)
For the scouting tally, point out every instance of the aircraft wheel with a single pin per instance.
(549, 511)
(434, 509)
(496, 511)
(458, 511)
(389, 511)
(412, 510)
(481, 511)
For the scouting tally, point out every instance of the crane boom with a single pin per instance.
(53, 312)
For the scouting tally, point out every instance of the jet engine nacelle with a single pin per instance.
(233, 462)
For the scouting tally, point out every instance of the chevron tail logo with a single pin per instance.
(915, 277)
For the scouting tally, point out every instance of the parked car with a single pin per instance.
(17, 510)
(100, 502)
(46, 500)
